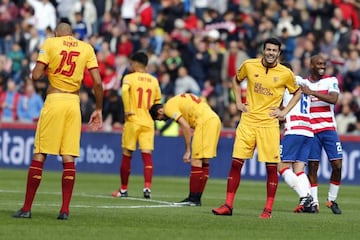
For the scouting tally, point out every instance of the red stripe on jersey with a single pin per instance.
(302, 128)
(299, 118)
(320, 109)
(321, 120)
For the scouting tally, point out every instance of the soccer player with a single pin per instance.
(140, 90)
(295, 148)
(324, 92)
(58, 131)
(201, 127)
(259, 124)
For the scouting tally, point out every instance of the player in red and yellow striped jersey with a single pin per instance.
(140, 91)
(191, 113)
(59, 127)
(259, 125)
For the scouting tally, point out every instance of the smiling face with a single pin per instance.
(271, 54)
(318, 66)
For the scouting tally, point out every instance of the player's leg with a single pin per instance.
(268, 147)
(67, 185)
(146, 145)
(243, 148)
(333, 149)
(129, 140)
(70, 149)
(33, 181)
(313, 166)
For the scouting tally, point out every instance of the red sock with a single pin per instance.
(68, 181)
(195, 179)
(233, 181)
(33, 182)
(271, 185)
(148, 169)
(205, 176)
(125, 170)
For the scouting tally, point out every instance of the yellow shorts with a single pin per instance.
(266, 140)
(205, 139)
(59, 127)
(134, 133)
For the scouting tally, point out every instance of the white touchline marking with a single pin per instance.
(161, 204)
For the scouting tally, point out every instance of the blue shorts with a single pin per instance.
(294, 148)
(329, 140)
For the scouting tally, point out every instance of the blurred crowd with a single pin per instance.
(193, 46)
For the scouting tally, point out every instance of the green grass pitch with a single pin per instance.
(97, 215)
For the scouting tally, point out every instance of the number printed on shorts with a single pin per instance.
(68, 62)
(338, 147)
(148, 93)
(193, 97)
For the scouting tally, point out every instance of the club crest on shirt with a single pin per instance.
(275, 79)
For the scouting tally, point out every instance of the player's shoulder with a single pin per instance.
(252, 61)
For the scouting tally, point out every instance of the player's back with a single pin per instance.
(144, 92)
(66, 59)
(190, 107)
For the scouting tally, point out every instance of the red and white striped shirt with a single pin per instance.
(297, 121)
(322, 113)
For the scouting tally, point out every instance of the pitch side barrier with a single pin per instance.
(101, 153)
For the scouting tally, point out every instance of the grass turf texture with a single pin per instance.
(97, 215)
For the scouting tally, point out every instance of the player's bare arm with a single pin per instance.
(38, 71)
(332, 97)
(95, 121)
(186, 129)
(280, 113)
(237, 91)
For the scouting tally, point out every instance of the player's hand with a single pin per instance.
(305, 89)
(186, 157)
(277, 113)
(128, 114)
(95, 122)
(242, 107)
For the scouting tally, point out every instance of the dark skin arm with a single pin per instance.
(38, 71)
(331, 98)
(186, 129)
(95, 121)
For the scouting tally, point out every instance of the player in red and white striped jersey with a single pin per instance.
(324, 92)
(295, 148)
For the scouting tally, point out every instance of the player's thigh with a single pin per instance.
(146, 138)
(316, 149)
(295, 147)
(331, 144)
(50, 127)
(268, 144)
(245, 142)
(72, 131)
(130, 135)
(206, 138)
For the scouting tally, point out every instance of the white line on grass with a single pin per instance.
(160, 204)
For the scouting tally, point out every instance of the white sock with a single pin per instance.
(304, 183)
(314, 194)
(333, 192)
(292, 180)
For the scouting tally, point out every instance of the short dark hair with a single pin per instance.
(139, 57)
(154, 110)
(274, 41)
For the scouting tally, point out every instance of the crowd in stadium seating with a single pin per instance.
(193, 46)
